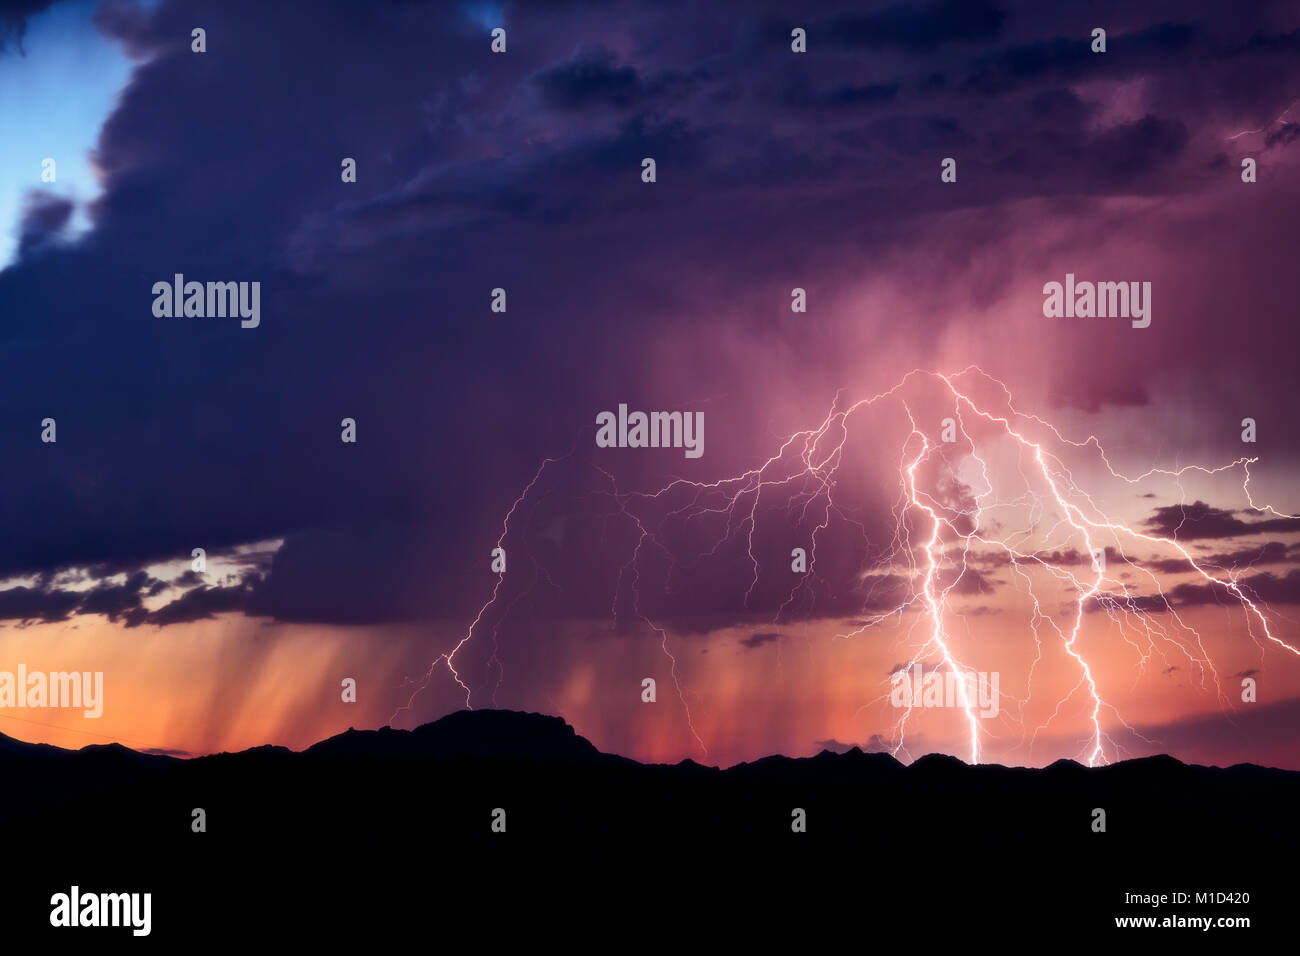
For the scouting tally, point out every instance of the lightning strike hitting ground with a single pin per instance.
(1035, 533)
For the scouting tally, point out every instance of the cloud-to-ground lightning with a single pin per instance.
(1049, 530)
(450, 657)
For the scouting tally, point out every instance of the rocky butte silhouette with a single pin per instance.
(383, 821)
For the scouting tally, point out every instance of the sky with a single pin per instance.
(824, 429)
(39, 115)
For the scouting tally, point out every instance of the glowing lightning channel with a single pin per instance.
(450, 657)
(806, 467)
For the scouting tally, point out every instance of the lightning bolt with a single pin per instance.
(449, 658)
(1278, 118)
(803, 474)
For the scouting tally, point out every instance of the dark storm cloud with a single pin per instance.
(759, 638)
(44, 219)
(1073, 556)
(871, 93)
(166, 752)
(1264, 588)
(117, 600)
(964, 581)
(202, 603)
(592, 77)
(32, 604)
(847, 94)
(1200, 520)
(1284, 135)
(1132, 149)
(1271, 552)
(14, 15)
(1168, 565)
(130, 24)
(915, 27)
(595, 77)
(369, 571)
(521, 171)
(1013, 67)
(120, 602)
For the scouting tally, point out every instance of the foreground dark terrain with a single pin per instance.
(379, 834)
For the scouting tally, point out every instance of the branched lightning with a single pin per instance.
(1035, 534)
(450, 657)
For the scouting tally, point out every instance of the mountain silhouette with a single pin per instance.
(471, 733)
(369, 817)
